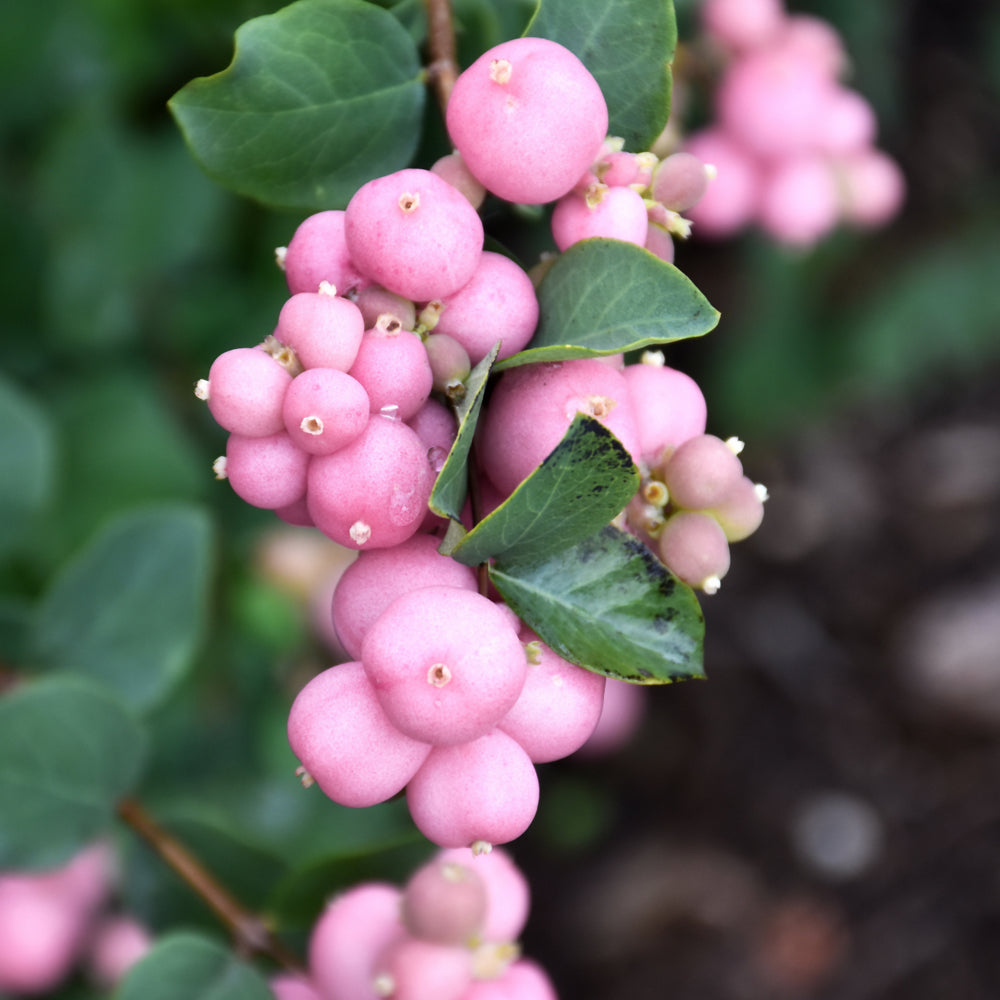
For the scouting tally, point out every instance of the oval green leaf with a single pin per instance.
(320, 97)
(68, 753)
(585, 481)
(27, 463)
(608, 604)
(186, 966)
(451, 486)
(128, 610)
(604, 296)
(628, 45)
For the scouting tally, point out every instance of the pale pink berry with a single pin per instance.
(411, 969)
(317, 252)
(731, 198)
(558, 707)
(498, 303)
(701, 472)
(507, 891)
(296, 513)
(482, 792)
(533, 406)
(814, 41)
(373, 492)
(741, 512)
(742, 24)
(669, 407)
(446, 664)
(323, 329)
(873, 187)
(617, 213)
(245, 391)
(454, 170)
(268, 472)
(376, 301)
(325, 409)
(450, 363)
(528, 119)
(623, 711)
(353, 930)
(392, 367)
(344, 741)
(291, 987)
(660, 242)
(115, 946)
(379, 576)
(445, 902)
(849, 124)
(694, 548)
(799, 200)
(414, 233)
(521, 980)
(679, 181)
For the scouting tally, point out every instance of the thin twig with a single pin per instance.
(442, 70)
(251, 934)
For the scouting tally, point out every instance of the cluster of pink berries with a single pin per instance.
(339, 420)
(792, 147)
(52, 921)
(449, 934)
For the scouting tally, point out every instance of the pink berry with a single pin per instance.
(376, 301)
(453, 169)
(532, 407)
(694, 548)
(379, 576)
(507, 890)
(348, 938)
(624, 708)
(668, 405)
(411, 969)
(873, 186)
(742, 24)
(849, 124)
(445, 902)
(617, 213)
(268, 472)
(292, 987)
(814, 41)
(498, 303)
(800, 201)
(325, 409)
(741, 512)
(558, 707)
(522, 980)
(392, 367)
(345, 742)
(245, 391)
(731, 198)
(701, 473)
(323, 329)
(660, 242)
(373, 492)
(483, 792)
(449, 361)
(414, 233)
(116, 945)
(446, 664)
(528, 119)
(679, 181)
(317, 252)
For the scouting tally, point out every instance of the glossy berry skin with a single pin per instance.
(483, 791)
(446, 664)
(414, 234)
(528, 119)
(342, 737)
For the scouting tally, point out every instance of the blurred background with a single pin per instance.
(822, 817)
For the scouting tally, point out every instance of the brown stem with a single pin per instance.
(443, 69)
(251, 934)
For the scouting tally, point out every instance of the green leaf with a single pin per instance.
(129, 609)
(451, 486)
(604, 296)
(185, 966)
(609, 605)
(628, 45)
(68, 753)
(27, 462)
(584, 482)
(319, 98)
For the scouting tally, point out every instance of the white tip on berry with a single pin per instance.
(409, 202)
(280, 253)
(438, 675)
(201, 388)
(219, 467)
(312, 425)
(490, 960)
(711, 585)
(360, 532)
(305, 777)
(479, 847)
(500, 71)
(735, 445)
(326, 288)
(656, 358)
(761, 490)
(383, 985)
(711, 171)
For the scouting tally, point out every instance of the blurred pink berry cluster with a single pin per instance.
(793, 149)
(53, 921)
(449, 934)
